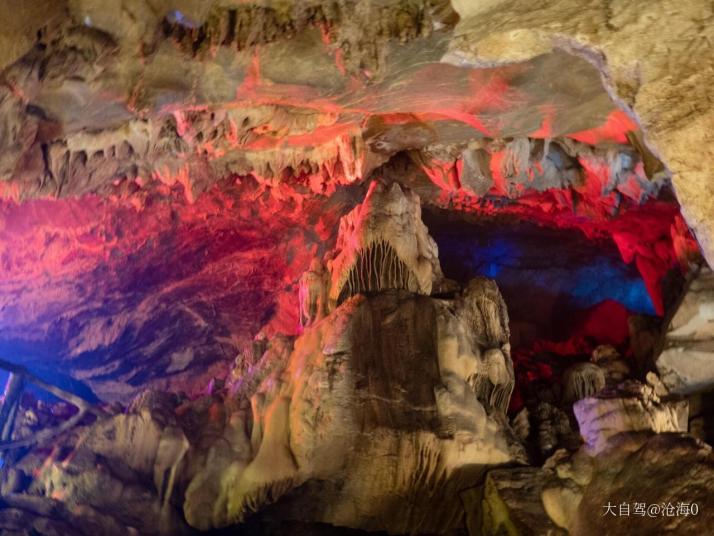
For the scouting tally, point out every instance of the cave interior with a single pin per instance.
(356, 266)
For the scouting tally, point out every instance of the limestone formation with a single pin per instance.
(634, 471)
(172, 132)
(633, 408)
(686, 363)
(376, 417)
(512, 504)
(383, 244)
(377, 403)
(337, 266)
(624, 41)
(614, 367)
(553, 429)
(116, 476)
(393, 398)
(313, 293)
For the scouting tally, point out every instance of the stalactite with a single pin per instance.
(493, 384)
(501, 396)
(581, 381)
(496, 396)
(377, 268)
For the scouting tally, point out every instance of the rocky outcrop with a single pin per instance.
(389, 402)
(188, 185)
(686, 362)
(623, 40)
(639, 482)
(581, 381)
(384, 411)
(208, 96)
(634, 481)
(632, 407)
(512, 504)
(178, 115)
(386, 405)
(116, 476)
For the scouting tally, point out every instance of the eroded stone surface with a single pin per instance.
(665, 470)
(145, 103)
(667, 88)
(116, 476)
(512, 504)
(223, 140)
(380, 396)
(686, 363)
(632, 407)
(208, 95)
(381, 414)
(383, 244)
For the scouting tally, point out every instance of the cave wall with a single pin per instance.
(655, 59)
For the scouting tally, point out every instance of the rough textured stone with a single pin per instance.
(140, 118)
(386, 408)
(115, 476)
(170, 168)
(686, 363)
(374, 417)
(624, 40)
(635, 471)
(383, 244)
(631, 408)
(512, 504)
(582, 380)
(207, 97)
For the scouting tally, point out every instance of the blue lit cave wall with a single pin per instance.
(548, 277)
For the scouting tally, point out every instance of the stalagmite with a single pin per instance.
(386, 357)
(383, 244)
(313, 293)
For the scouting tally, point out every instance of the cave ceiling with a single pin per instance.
(168, 169)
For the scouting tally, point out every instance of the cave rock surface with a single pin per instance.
(388, 404)
(686, 363)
